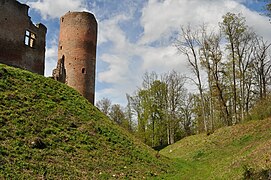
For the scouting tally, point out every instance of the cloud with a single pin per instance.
(57, 8)
(162, 59)
(109, 30)
(117, 69)
(51, 57)
(125, 62)
(161, 18)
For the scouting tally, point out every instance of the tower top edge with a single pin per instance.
(82, 14)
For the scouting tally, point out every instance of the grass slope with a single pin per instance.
(225, 154)
(49, 131)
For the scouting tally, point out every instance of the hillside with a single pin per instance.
(229, 153)
(49, 131)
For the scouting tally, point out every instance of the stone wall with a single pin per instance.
(22, 44)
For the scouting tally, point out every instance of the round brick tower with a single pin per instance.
(77, 51)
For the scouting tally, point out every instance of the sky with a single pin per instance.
(136, 36)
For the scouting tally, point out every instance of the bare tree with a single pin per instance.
(188, 44)
(262, 65)
(104, 105)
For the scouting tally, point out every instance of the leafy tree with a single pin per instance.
(157, 106)
(117, 114)
(176, 93)
(186, 110)
(233, 26)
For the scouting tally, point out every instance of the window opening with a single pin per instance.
(30, 38)
(83, 70)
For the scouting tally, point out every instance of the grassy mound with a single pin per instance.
(48, 130)
(237, 152)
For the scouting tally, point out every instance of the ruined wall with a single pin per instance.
(77, 52)
(22, 44)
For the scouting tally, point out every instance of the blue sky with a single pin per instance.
(136, 36)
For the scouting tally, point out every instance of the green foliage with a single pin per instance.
(49, 131)
(162, 116)
(261, 110)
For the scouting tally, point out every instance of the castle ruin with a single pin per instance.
(22, 44)
(77, 53)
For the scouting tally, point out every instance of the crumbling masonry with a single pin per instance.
(77, 52)
(22, 44)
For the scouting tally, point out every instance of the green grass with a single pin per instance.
(48, 130)
(226, 154)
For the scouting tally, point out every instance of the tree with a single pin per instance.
(236, 73)
(175, 100)
(211, 60)
(157, 106)
(186, 110)
(233, 26)
(117, 115)
(245, 49)
(104, 105)
(137, 104)
(261, 65)
(188, 44)
(129, 113)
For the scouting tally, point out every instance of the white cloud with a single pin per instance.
(51, 60)
(117, 69)
(109, 30)
(159, 20)
(260, 24)
(161, 59)
(51, 57)
(57, 8)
